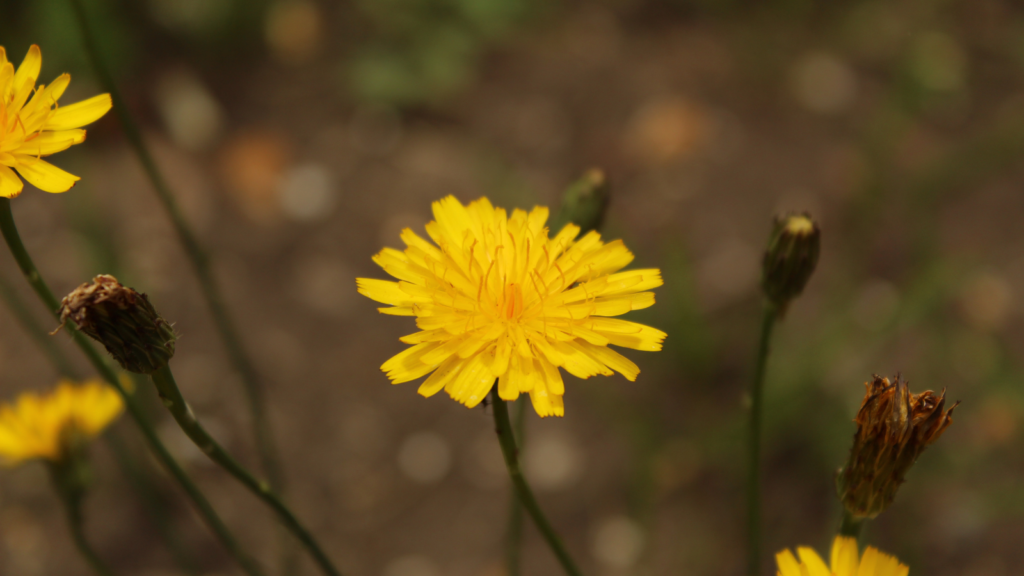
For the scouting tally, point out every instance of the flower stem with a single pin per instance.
(503, 427)
(73, 510)
(197, 256)
(851, 526)
(140, 480)
(163, 379)
(35, 280)
(514, 535)
(754, 463)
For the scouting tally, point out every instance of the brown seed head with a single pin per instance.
(894, 427)
(123, 321)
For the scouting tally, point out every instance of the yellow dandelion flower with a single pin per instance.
(496, 298)
(33, 126)
(846, 561)
(39, 426)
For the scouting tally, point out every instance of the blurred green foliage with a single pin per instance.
(421, 51)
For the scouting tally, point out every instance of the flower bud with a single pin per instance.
(123, 321)
(790, 259)
(584, 202)
(894, 427)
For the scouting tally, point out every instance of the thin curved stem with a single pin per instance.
(163, 379)
(503, 427)
(73, 510)
(202, 505)
(254, 393)
(754, 440)
(514, 536)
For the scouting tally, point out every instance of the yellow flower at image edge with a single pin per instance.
(497, 298)
(32, 126)
(39, 426)
(845, 561)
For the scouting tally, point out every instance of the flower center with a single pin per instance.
(510, 307)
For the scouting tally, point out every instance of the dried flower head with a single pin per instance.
(894, 427)
(845, 560)
(496, 298)
(123, 321)
(790, 259)
(49, 426)
(33, 126)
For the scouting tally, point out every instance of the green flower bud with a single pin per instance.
(790, 259)
(123, 321)
(584, 203)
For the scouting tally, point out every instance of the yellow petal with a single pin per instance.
(611, 359)
(628, 334)
(788, 566)
(45, 176)
(46, 143)
(10, 184)
(845, 556)
(442, 376)
(471, 385)
(408, 365)
(29, 69)
(814, 564)
(79, 114)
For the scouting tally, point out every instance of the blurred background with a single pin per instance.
(301, 136)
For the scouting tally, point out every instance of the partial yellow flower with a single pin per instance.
(32, 126)
(846, 561)
(40, 426)
(498, 299)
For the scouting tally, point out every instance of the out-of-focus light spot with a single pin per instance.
(425, 457)
(307, 192)
(294, 31)
(823, 83)
(938, 62)
(318, 279)
(618, 542)
(411, 566)
(376, 130)
(552, 462)
(193, 117)
(665, 129)
(987, 301)
(876, 305)
(252, 164)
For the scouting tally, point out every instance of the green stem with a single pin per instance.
(206, 511)
(197, 256)
(514, 536)
(851, 526)
(754, 463)
(503, 427)
(163, 379)
(138, 478)
(73, 509)
(35, 331)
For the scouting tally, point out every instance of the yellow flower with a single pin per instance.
(40, 426)
(846, 561)
(501, 300)
(31, 128)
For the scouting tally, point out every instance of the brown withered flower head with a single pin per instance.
(894, 427)
(123, 321)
